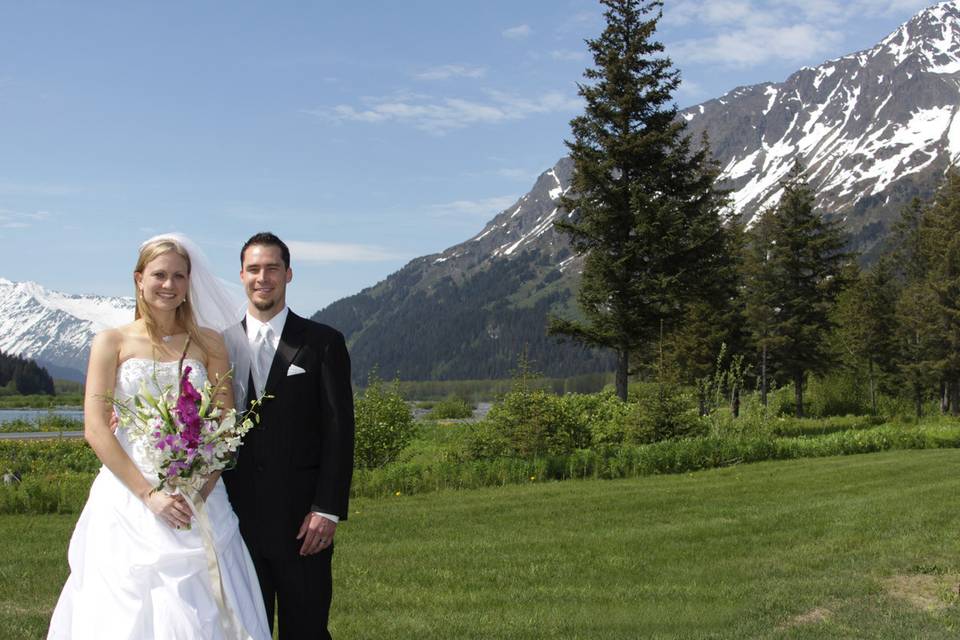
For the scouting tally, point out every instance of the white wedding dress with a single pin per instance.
(132, 576)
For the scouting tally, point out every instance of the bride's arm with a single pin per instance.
(218, 369)
(97, 412)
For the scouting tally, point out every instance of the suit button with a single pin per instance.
(259, 467)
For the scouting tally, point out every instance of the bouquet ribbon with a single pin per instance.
(232, 627)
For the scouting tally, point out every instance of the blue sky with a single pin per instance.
(364, 133)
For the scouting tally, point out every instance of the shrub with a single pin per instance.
(384, 424)
(450, 408)
(527, 424)
(64, 492)
(603, 414)
(660, 413)
(837, 394)
(668, 456)
(54, 455)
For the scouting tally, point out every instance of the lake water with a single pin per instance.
(8, 415)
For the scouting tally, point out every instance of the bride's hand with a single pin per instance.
(173, 510)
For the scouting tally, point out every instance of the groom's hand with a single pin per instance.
(316, 533)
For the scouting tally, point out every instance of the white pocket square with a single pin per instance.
(294, 370)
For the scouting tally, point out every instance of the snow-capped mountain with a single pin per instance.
(53, 328)
(874, 128)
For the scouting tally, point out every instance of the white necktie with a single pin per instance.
(262, 357)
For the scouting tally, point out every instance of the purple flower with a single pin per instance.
(188, 411)
(175, 467)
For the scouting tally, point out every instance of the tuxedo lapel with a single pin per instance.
(291, 340)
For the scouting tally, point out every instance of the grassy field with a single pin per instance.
(851, 547)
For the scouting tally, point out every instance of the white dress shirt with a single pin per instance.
(276, 324)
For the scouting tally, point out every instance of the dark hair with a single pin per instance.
(270, 240)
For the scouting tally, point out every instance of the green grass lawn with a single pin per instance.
(850, 547)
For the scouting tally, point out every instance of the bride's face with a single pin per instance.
(164, 281)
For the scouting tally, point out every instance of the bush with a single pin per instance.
(384, 424)
(527, 424)
(668, 456)
(49, 456)
(603, 414)
(660, 413)
(450, 408)
(837, 394)
(54, 493)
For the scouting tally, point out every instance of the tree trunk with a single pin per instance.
(735, 401)
(873, 389)
(623, 364)
(763, 377)
(918, 397)
(954, 398)
(944, 398)
(702, 400)
(798, 393)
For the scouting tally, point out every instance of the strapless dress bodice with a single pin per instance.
(158, 376)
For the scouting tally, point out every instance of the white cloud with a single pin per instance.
(568, 56)
(327, 252)
(517, 33)
(20, 220)
(744, 33)
(447, 71)
(485, 208)
(441, 115)
(751, 46)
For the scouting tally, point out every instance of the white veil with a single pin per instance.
(217, 305)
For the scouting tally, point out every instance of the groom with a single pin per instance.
(292, 479)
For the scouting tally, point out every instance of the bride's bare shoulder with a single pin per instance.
(118, 339)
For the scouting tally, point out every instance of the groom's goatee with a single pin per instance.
(266, 305)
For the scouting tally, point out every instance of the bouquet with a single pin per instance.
(184, 433)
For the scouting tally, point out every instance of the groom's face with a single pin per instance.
(265, 277)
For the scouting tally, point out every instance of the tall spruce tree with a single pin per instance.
(867, 326)
(940, 228)
(647, 214)
(760, 286)
(806, 256)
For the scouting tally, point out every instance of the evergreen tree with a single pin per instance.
(919, 341)
(908, 255)
(760, 286)
(804, 266)
(25, 376)
(647, 214)
(867, 326)
(712, 333)
(940, 229)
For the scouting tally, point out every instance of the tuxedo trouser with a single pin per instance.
(301, 587)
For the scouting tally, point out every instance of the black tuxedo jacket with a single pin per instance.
(300, 456)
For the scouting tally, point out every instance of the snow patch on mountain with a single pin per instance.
(861, 124)
(53, 327)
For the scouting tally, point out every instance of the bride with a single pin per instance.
(138, 571)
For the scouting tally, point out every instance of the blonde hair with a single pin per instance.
(185, 316)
